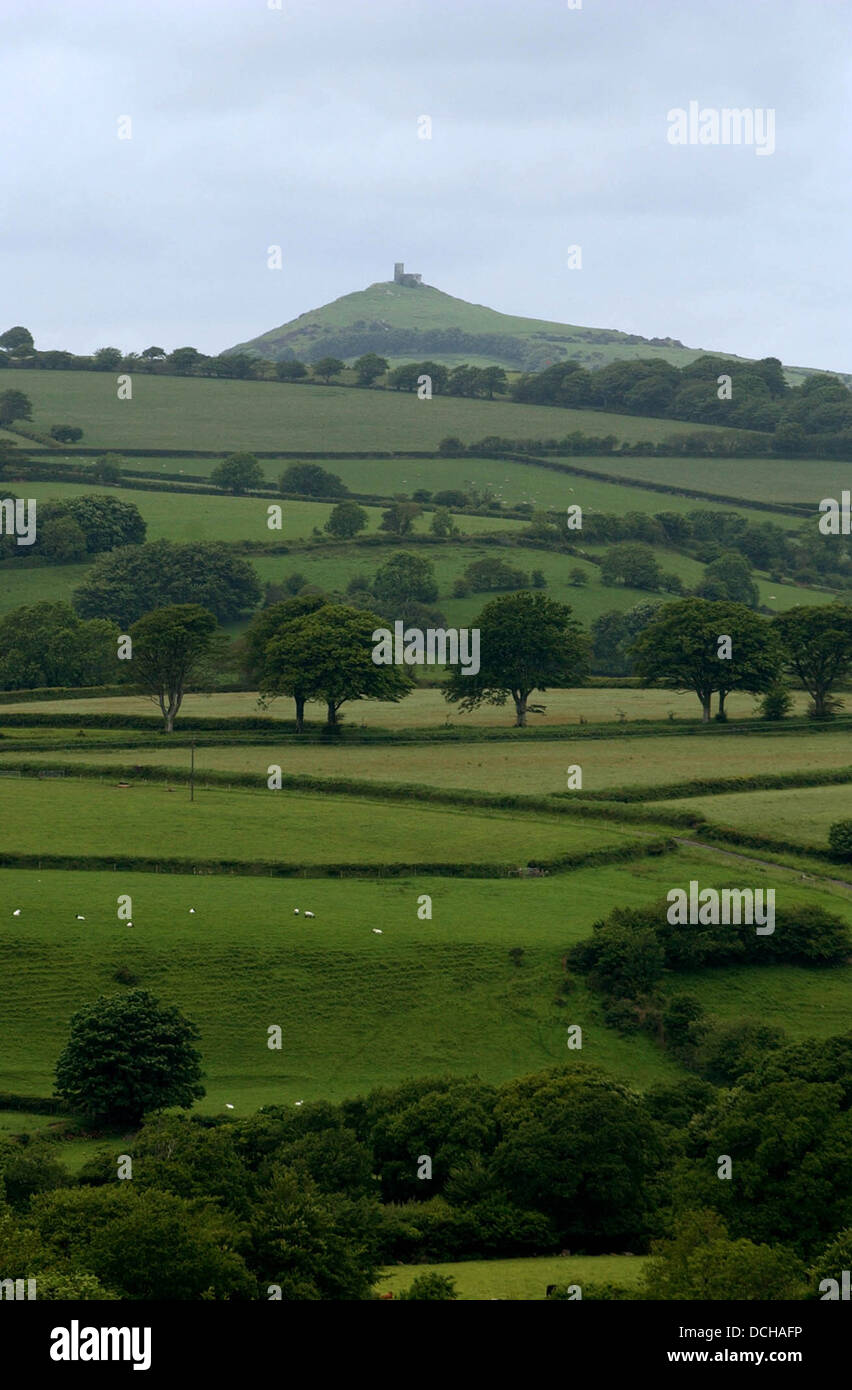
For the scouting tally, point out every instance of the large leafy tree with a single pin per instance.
(129, 582)
(370, 366)
(527, 642)
(405, 579)
(127, 1055)
(633, 564)
(327, 367)
(700, 1261)
(580, 1148)
(145, 1244)
(47, 644)
(729, 578)
(313, 1245)
(680, 648)
(791, 1144)
(237, 474)
(18, 341)
(817, 645)
(329, 656)
(346, 520)
(309, 480)
(106, 522)
(267, 626)
(14, 405)
(172, 648)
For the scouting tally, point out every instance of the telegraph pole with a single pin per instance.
(192, 773)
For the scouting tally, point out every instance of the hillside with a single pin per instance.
(408, 321)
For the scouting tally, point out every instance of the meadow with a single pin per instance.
(425, 707)
(522, 1279)
(294, 828)
(524, 767)
(777, 480)
(509, 482)
(357, 1009)
(802, 816)
(199, 413)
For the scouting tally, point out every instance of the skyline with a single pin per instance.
(252, 127)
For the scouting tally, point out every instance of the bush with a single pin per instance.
(776, 703)
(432, 1286)
(840, 840)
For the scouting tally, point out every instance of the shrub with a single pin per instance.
(776, 703)
(840, 840)
(432, 1286)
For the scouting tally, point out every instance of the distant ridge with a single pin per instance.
(403, 320)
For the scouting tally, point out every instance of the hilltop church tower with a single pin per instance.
(400, 277)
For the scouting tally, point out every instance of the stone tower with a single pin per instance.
(400, 277)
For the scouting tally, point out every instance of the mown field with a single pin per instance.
(357, 1009)
(528, 768)
(195, 413)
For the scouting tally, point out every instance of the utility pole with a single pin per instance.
(192, 773)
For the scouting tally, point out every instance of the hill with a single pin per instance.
(410, 321)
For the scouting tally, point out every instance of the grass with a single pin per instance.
(357, 1010)
(292, 828)
(509, 482)
(522, 1279)
(531, 768)
(802, 816)
(775, 480)
(196, 413)
(426, 707)
(203, 517)
(35, 585)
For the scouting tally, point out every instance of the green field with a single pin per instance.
(775, 480)
(357, 1009)
(197, 413)
(803, 815)
(532, 768)
(294, 828)
(510, 482)
(520, 1279)
(39, 583)
(427, 708)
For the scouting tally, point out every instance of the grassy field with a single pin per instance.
(357, 1009)
(509, 482)
(523, 1279)
(803, 816)
(33, 585)
(195, 413)
(761, 479)
(288, 827)
(203, 517)
(426, 707)
(532, 768)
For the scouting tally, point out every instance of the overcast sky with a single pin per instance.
(255, 126)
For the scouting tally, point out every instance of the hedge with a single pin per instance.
(709, 786)
(269, 868)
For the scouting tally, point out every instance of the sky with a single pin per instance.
(254, 124)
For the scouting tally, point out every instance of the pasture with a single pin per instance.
(522, 1279)
(425, 707)
(293, 828)
(532, 767)
(357, 1009)
(202, 413)
(802, 816)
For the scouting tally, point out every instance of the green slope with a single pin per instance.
(402, 322)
